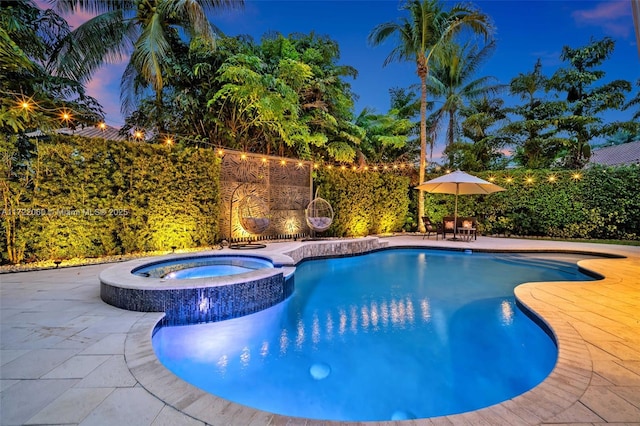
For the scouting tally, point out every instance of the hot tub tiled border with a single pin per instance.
(203, 304)
(218, 298)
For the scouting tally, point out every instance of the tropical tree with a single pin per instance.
(534, 130)
(586, 100)
(255, 106)
(480, 125)
(386, 136)
(326, 98)
(31, 96)
(185, 116)
(406, 102)
(635, 101)
(424, 32)
(452, 82)
(147, 30)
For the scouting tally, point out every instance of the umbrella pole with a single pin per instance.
(455, 214)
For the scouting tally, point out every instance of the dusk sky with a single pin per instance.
(525, 31)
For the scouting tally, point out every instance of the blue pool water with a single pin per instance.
(395, 334)
(202, 267)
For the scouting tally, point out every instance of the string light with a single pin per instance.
(65, 115)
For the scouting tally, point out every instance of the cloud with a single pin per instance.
(613, 17)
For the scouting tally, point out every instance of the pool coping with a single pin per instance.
(563, 388)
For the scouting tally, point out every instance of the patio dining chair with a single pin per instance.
(429, 228)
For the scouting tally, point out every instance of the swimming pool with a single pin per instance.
(395, 334)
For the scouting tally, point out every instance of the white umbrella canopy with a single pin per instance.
(457, 183)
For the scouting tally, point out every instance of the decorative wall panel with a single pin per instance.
(284, 185)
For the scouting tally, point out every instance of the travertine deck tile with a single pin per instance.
(609, 406)
(59, 313)
(71, 407)
(577, 413)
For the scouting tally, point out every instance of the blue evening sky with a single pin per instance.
(525, 31)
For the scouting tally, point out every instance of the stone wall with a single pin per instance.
(335, 248)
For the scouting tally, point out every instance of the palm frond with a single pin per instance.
(103, 39)
(151, 51)
(93, 6)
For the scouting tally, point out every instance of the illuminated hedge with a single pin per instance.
(76, 197)
(364, 203)
(602, 203)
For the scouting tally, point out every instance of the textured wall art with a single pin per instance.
(255, 188)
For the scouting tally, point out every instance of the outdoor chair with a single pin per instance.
(461, 222)
(448, 225)
(429, 228)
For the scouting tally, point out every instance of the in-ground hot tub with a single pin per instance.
(202, 267)
(198, 288)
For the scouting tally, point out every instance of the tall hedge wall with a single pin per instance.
(599, 203)
(364, 203)
(75, 197)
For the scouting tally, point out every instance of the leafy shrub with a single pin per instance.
(76, 197)
(364, 203)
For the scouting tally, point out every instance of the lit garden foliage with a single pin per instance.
(75, 197)
(598, 203)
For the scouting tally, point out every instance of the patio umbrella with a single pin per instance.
(458, 183)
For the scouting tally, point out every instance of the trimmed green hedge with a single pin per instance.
(364, 203)
(600, 203)
(75, 197)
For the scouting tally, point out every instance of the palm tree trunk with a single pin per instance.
(159, 109)
(450, 136)
(422, 72)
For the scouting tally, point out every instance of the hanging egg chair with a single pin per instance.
(319, 214)
(253, 215)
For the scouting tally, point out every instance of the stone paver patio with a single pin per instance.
(68, 358)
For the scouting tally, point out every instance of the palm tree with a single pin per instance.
(450, 80)
(146, 29)
(427, 29)
(30, 95)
